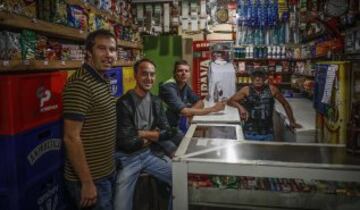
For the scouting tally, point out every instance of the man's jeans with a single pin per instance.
(104, 187)
(171, 145)
(257, 137)
(132, 166)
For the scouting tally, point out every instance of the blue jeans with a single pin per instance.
(257, 137)
(127, 176)
(104, 187)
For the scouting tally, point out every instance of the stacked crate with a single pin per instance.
(31, 146)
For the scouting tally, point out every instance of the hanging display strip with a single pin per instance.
(185, 15)
(166, 17)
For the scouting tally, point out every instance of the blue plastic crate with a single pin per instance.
(116, 84)
(48, 193)
(27, 160)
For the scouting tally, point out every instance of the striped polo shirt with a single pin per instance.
(87, 98)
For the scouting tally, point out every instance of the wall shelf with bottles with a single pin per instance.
(246, 74)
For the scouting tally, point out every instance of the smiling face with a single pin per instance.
(103, 53)
(182, 73)
(145, 76)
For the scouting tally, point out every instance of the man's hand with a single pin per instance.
(150, 135)
(294, 125)
(88, 194)
(219, 106)
(244, 115)
(146, 142)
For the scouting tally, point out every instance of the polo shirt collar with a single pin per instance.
(94, 73)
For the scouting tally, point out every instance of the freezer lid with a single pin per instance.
(207, 136)
(302, 155)
(221, 132)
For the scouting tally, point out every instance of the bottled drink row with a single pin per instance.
(255, 52)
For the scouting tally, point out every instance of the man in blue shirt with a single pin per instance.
(181, 101)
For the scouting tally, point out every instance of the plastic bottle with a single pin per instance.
(269, 52)
(283, 52)
(278, 52)
(251, 52)
(247, 52)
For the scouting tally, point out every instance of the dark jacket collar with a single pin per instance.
(94, 73)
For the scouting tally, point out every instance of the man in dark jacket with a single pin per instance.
(141, 127)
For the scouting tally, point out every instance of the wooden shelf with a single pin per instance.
(304, 75)
(51, 29)
(37, 65)
(128, 44)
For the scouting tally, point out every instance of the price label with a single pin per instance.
(81, 31)
(26, 62)
(63, 63)
(6, 63)
(34, 20)
(46, 63)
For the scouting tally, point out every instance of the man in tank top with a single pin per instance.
(256, 104)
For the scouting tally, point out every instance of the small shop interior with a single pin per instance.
(308, 49)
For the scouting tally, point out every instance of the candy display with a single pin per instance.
(285, 185)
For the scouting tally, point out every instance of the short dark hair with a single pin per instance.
(90, 39)
(258, 73)
(178, 63)
(137, 63)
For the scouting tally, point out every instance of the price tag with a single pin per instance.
(6, 63)
(34, 20)
(46, 63)
(81, 31)
(63, 63)
(26, 62)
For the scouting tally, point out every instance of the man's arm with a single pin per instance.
(169, 94)
(235, 100)
(127, 136)
(218, 106)
(152, 135)
(76, 155)
(278, 96)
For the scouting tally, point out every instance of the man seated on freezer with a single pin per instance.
(256, 105)
(181, 101)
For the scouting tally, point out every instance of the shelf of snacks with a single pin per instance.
(26, 65)
(304, 75)
(47, 28)
(97, 11)
(129, 44)
(267, 191)
(124, 63)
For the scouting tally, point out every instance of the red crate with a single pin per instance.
(30, 100)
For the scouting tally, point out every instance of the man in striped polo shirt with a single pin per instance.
(90, 126)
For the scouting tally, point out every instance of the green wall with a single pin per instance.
(164, 51)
